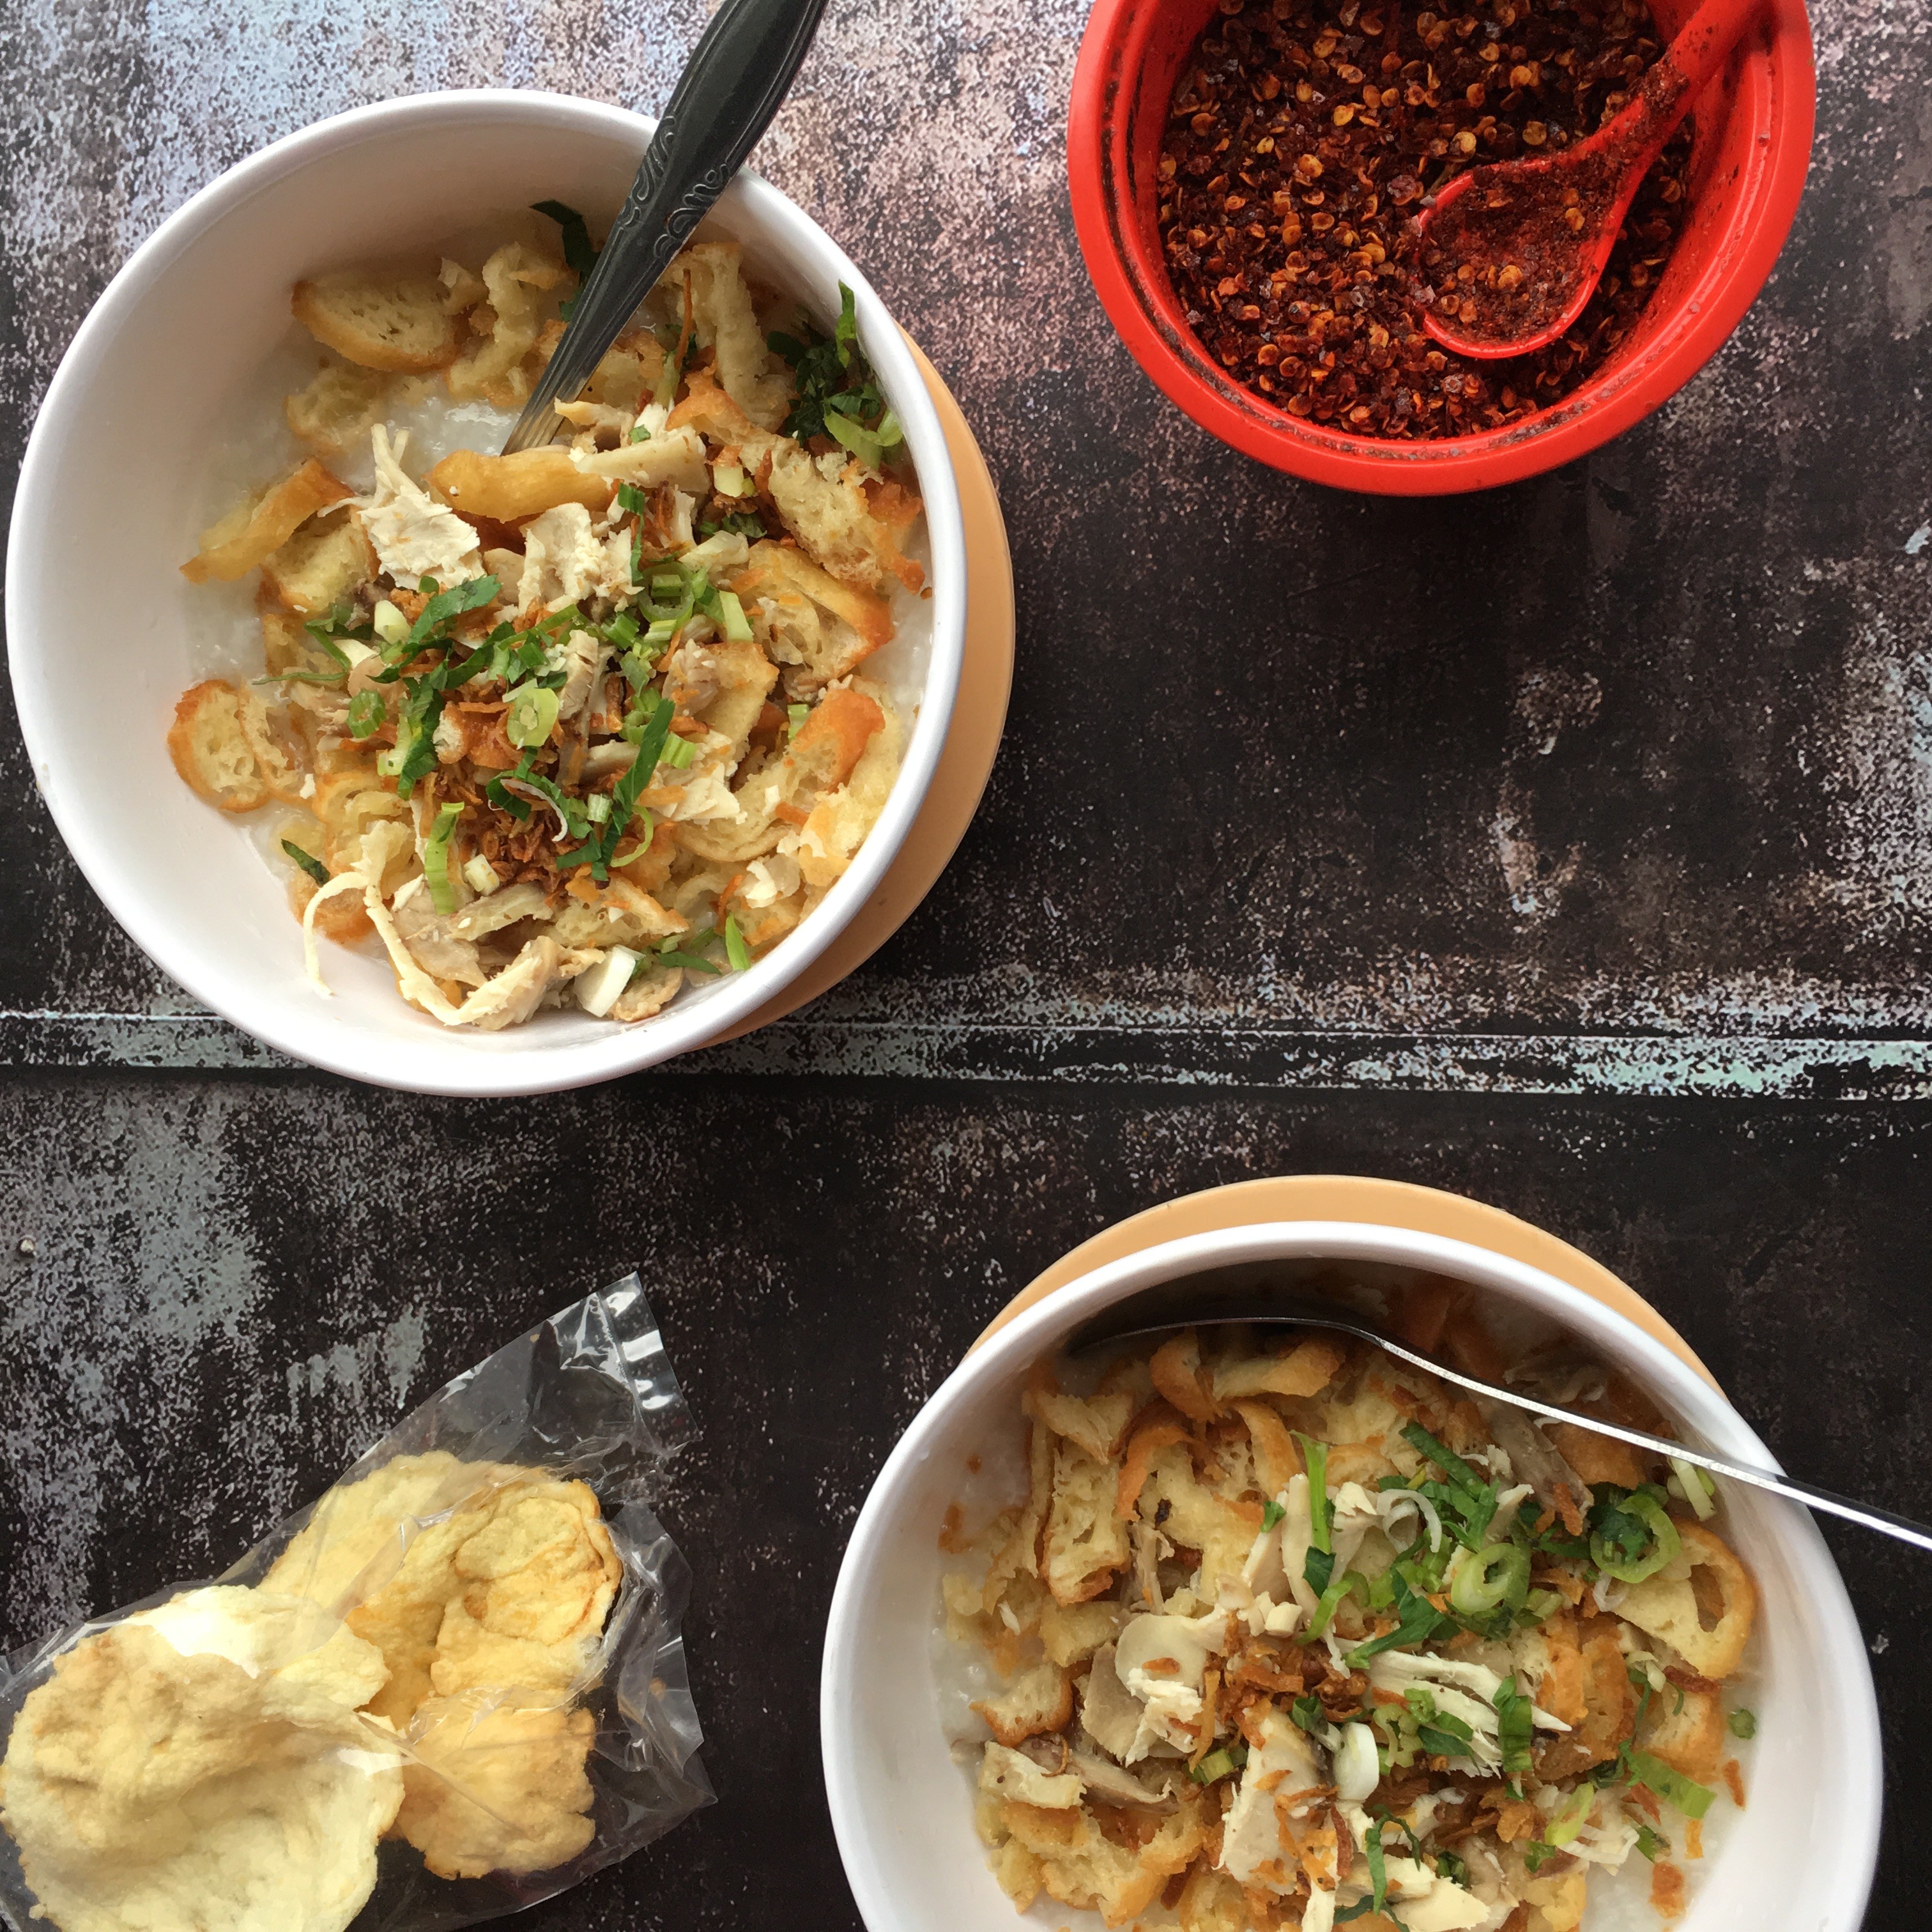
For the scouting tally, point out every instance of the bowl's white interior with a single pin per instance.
(137, 444)
(1801, 1855)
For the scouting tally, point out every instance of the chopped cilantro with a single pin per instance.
(1513, 1723)
(1371, 1846)
(574, 233)
(1307, 1712)
(739, 522)
(678, 952)
(1420, 1621)
(831, 374)
(1631, 1537)
(308, 861)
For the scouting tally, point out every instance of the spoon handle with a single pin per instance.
(741, 69)
(1886, 1521)
(1696, 52)
(1200, 1302)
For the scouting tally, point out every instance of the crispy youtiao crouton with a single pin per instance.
(1555, 1900)
(1608, 1708)
(1596, 1459)
(1128, 1376)
(1197, 1518)
(1305, 1368)
(287, 645)
(830, 626)
(1017, 1871)
(462, 287)
(1176, 1369)
(744, 677)
(343, 919)
(830, 515)
(379, 318)
(1041, 1828)
(1211, 1901)
(628, 372)
(516, 278)
(821, 758)
(321, 564)
(844, 815)
(1160, 1428)
(1560, 1656)
(1040, 1698)
(1369, 1415)
(1364, 1462)
(1709, 1635)
(1071, 1632)
(1687, 1729)
(1095, 1423)
(1020, 1552)
(1276, 1457)
(1085, 1543)
(510, 488)
(213, 742)
(334, 412)
(650, 992)
(253, 531)
(721, 312)
(1172, 1847)
(1080, 1866)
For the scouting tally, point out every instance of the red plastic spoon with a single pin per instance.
(1538, 231)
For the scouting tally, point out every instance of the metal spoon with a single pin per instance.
(1245, 1297)
(1554, 217)
(740, 70)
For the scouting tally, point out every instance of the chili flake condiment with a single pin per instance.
(1304, 138)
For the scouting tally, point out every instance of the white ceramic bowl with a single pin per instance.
(165, 373)
(1801, 1855)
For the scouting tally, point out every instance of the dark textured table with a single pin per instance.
(1570, 846)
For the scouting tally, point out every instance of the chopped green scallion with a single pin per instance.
(1487, 1579)
(1216, 1764)
(1689, 1797)
(436, 859)
(737, 626)
(531, 717)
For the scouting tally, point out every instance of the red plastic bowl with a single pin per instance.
(1753, 141)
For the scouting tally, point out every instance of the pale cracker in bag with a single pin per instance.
(451, 1688)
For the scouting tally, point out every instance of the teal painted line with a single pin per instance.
(1647, 1066)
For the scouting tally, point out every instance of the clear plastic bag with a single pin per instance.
(208, 1758)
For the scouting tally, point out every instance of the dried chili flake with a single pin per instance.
(1339, 124)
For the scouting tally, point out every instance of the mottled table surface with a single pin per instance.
(1569, 846)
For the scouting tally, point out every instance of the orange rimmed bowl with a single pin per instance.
(1752, 142)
